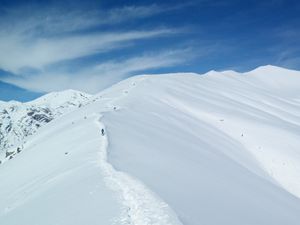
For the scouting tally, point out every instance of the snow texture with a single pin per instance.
(218, 148)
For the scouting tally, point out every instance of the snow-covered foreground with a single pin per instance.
(140, 205)
(222, 148)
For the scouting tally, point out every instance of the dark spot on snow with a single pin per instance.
(41, 118)
(8, 127)
(30, 113)
(7, 154)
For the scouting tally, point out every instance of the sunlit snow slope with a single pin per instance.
(221, 148)
(20, 120)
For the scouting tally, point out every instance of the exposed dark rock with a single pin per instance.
(7, 154)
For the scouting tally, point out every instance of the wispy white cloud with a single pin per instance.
(144, 62)
(94, 79)
(17, 53)
(55, 20)
(34, 39)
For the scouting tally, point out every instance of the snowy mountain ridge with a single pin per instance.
(221, 148)
(20, 120)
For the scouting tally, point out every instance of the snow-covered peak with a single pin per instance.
(58, 99)
(269, 68)
(276, 78)
(9, 103)
(19, 120)
(2, 104)
(267, 77)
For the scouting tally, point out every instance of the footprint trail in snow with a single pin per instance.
(140, 205)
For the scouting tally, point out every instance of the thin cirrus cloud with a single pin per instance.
(39, 52)
(58, 20)
(100, 76)
(38, 40)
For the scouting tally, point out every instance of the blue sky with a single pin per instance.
(55, 45)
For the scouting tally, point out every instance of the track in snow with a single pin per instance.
(140, 205)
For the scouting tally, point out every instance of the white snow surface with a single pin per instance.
(218, 148)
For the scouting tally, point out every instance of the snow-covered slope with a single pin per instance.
(222, 148)
(20, 120)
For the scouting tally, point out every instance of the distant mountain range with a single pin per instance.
(20, 120)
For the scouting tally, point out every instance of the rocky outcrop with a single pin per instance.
(20, 120)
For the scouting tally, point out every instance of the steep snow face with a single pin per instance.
(221, 148)
(20, 120)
